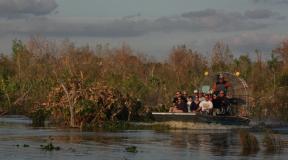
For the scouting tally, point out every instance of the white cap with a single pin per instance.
(195, 91)
(221, 75)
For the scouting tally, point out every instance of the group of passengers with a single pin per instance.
(213, 102)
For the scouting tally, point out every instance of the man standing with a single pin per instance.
(220, 85)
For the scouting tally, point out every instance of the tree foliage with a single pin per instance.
(37, 67)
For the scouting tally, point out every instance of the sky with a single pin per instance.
(152, 27)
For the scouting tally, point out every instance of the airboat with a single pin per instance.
(239, 100)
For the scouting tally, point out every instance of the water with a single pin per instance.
(174, 144)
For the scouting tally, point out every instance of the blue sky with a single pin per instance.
(152, 27)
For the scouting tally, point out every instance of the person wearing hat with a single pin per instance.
(195, 94)
(220, 85)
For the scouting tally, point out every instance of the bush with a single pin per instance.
(39, 116)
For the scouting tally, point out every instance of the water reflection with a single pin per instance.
(212, 142)
(220, 143)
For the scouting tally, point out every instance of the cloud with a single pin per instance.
(203, 13)
(271, 1)
(245, 43)
(19, 8)
(52, 26)
(259, 14)
(232, 21)
(195, 21)
(249, 41)
(231, 16)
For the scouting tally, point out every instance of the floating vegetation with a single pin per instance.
(39, 116)
(272, 142)
(131, 149)
(248, 142)
(26, 145)
(50, 147)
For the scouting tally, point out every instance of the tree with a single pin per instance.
(282, 52)
(273, 65)
(221, 57)
(188, 66)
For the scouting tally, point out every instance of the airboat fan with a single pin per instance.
(238, 90)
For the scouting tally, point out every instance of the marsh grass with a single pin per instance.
(131, 149)
(63, 76)
(39, 116)
(249, 142)
(272, 142)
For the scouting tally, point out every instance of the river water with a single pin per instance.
(15, 132)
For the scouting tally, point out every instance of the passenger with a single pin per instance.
(182, 105)
(175, 98)
(223, 103)
(179, 107)
(220, 84)
(216, 105)
(177, 95)
(205, 106)
(185, 96)
(201, 97)
(195, 93)
(211, 97)
(195, 104)
(189, 103)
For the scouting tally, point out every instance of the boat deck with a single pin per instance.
(198, 118)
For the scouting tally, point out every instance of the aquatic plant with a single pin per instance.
(131, 149)
(50, 147)
(26, 145)
(39, 116)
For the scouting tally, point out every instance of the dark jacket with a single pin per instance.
(220, 102)
(182, 106)
(194, 106)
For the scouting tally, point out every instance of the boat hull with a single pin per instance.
(198, 118)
